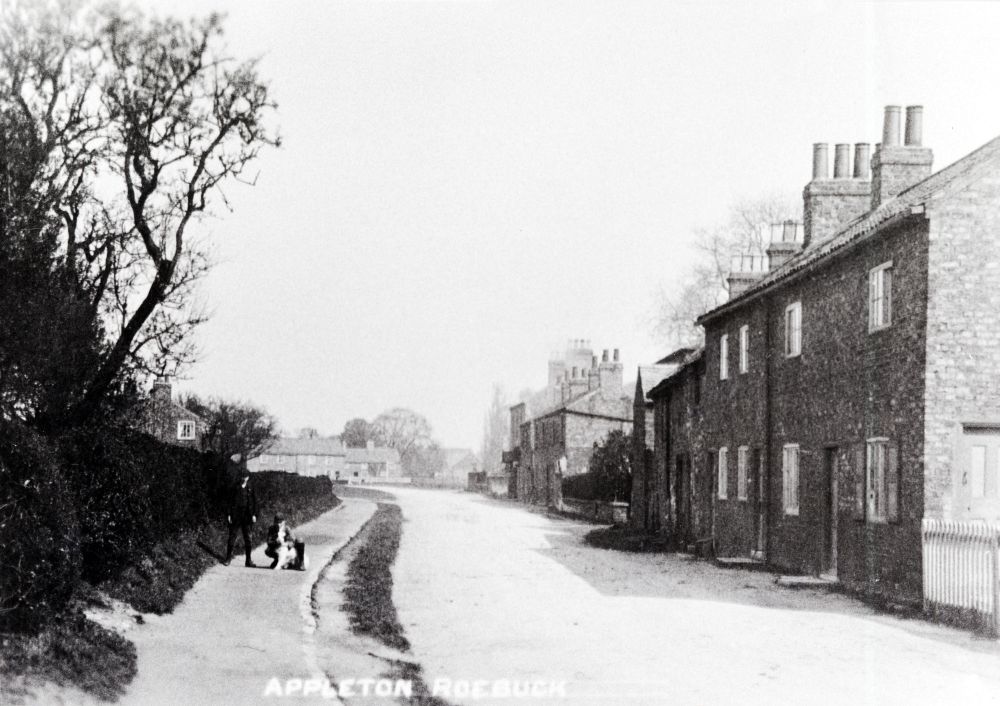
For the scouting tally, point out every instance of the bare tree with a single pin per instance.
(745, 232)
(357, 433)
(234, 426)
(404, 430)
(140, 123)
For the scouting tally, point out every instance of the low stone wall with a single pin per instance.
(613, 513)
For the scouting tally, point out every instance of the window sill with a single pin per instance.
(792, 513)
(877, 329)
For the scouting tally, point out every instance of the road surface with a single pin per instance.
(489, 591)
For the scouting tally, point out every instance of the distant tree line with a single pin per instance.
(404, 430)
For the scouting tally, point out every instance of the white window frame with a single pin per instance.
(744, 349)
(187, 430)
(876, 467)
(723, 472)
(742, 466)
(880, 297)
(793, 329)
(790, 458)
(724, 356)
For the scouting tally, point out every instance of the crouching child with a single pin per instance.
(284, 550)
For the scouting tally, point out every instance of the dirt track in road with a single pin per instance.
(486, 590)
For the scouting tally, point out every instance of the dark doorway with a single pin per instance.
(827, 564)
(759, 495)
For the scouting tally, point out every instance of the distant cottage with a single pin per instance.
(329, 457)
(170, 422)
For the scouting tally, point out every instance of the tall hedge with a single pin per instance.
(40, 558)
(132, 491)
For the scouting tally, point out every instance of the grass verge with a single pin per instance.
(368, 592)
(624, 539)
(71, 652)
(368, 596)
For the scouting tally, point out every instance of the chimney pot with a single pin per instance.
(862, 161)
(574, 372)
(788, 229)
(604, 356)
(890, 126)
(842, 161)
(914, 125)
(820, 160)
(593, 362)
(616, 355)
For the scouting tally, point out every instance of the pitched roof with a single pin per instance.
(453, 457)
(911, 201)
(651, 375)
(378, 454)
(288, 446)
(689, 359)
(596, 402)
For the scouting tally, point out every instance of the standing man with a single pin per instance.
(242, 512)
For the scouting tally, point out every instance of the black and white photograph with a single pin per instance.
(488, 352)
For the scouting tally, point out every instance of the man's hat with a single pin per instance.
(278, 518)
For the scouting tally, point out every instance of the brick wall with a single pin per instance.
(735, 409)
(847, 386)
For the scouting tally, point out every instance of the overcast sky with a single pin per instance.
(465, 185)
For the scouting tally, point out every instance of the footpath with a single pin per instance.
(239, 627)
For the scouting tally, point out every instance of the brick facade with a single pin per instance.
(849, 442)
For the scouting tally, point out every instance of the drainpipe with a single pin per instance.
(768, 426)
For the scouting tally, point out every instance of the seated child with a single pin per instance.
(280, 543)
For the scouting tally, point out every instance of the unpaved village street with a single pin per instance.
(488, 590)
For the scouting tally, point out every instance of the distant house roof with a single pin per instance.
(454, 457)
(677, 357)
(597, 402)
(374, 455)
(910, 201)
(651, 375)
(693, 356)
(287, 446)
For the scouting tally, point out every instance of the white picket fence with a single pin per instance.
(962, 570)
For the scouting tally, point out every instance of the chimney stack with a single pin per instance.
(914, 125)
(890, 126)
(782, 249)
(895, 167)
(830, 204)
(821, 166)
(862, 161)
(842, 162)
(609, 374)
(162, 392)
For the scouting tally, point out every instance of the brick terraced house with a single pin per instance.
(850, 387)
